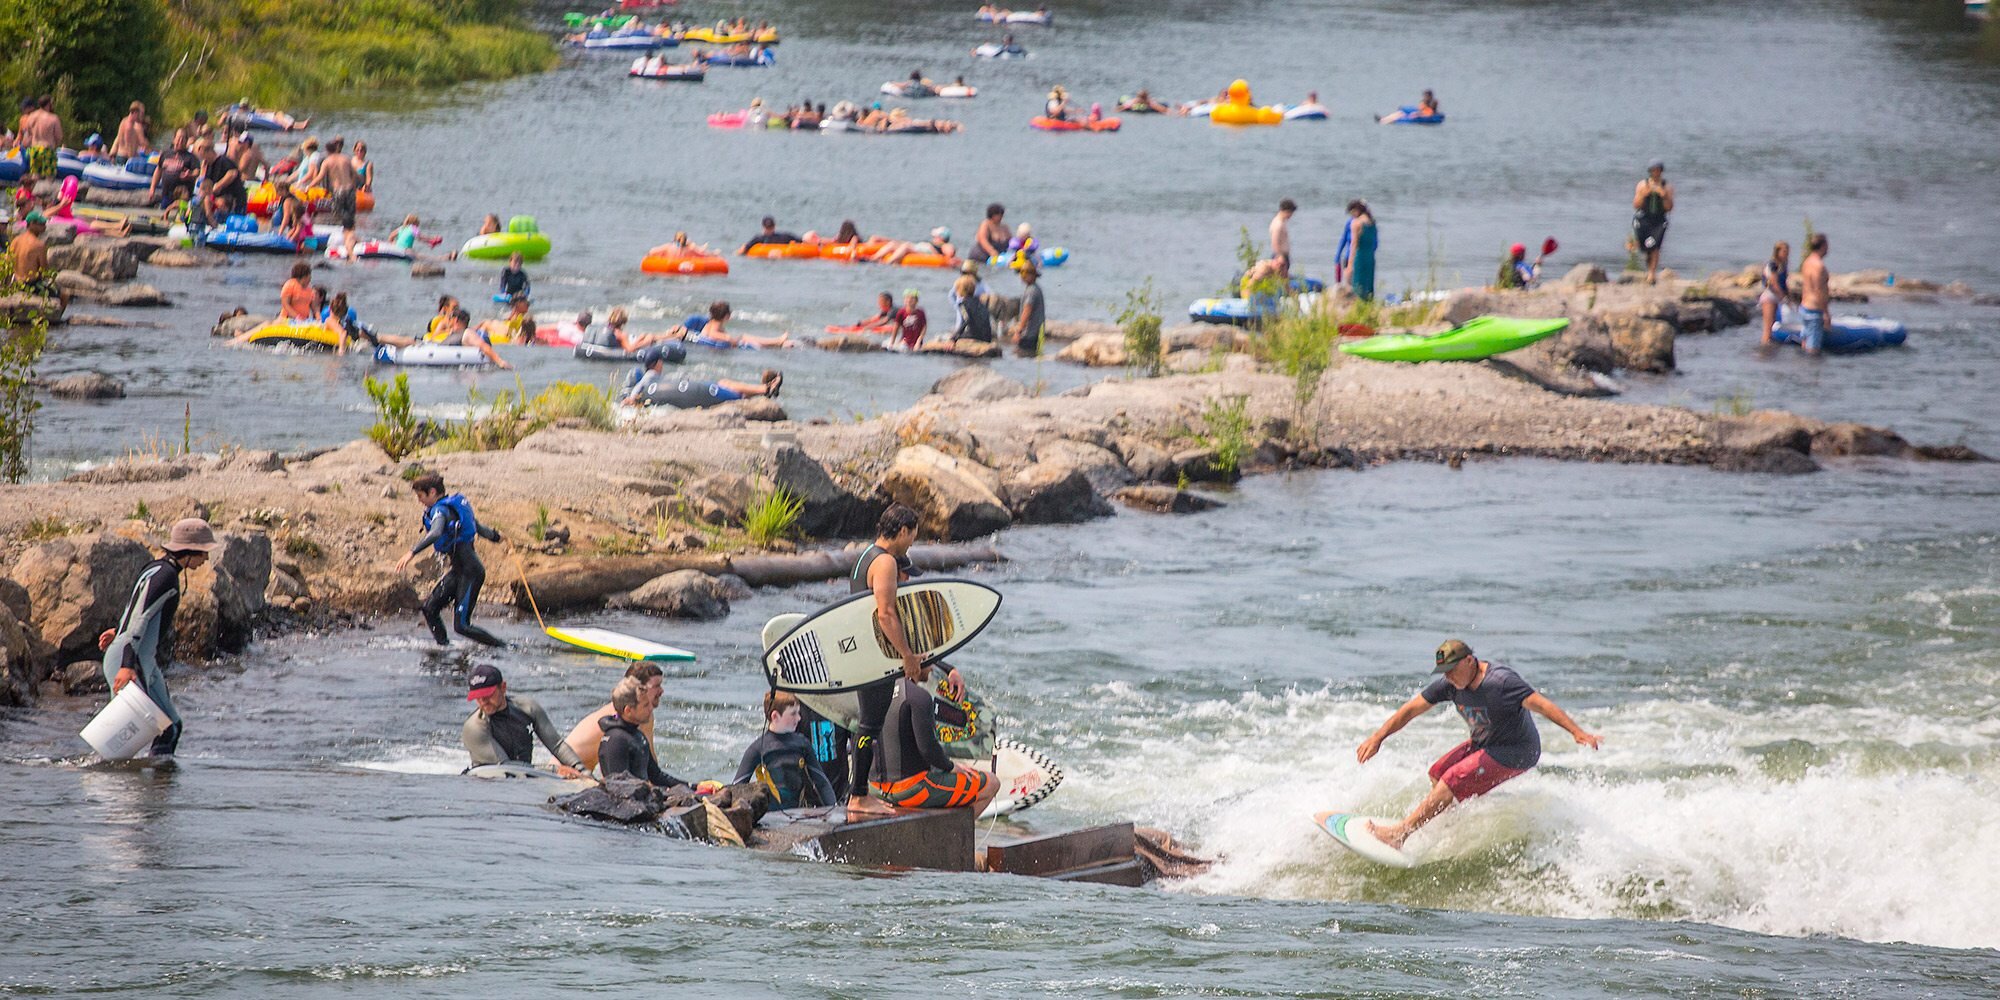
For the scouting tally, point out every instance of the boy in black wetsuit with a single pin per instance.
(449, 528)
(783, 759)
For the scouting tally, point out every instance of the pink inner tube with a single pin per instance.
(729, 119)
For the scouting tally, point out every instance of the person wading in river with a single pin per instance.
(504, 728)
(450, 528)
(586, 735)
(1814, 295)
(142, 645)
(1495, 702)
(1652, 200)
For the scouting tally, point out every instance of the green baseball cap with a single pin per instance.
(1449, 653)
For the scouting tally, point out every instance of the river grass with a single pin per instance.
(303, 52)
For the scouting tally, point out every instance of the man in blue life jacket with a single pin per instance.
(449, 529)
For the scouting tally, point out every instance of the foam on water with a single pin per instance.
(1874, 825)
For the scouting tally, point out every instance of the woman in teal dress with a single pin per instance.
(1356, 256)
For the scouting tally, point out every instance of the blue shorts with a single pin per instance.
(1812, 328)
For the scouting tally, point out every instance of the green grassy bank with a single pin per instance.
(97, 56)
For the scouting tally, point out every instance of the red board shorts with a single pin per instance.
(1470, 771)
(934, 789)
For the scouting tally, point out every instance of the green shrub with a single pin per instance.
(772, 515)
(93, 56)
(1300, 344)
(396, 430)
(1141, 320)
(1225, 423)
(566, 400)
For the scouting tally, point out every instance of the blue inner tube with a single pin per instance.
(1410, 117)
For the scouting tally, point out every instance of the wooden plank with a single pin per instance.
(1129, 873)
(1062, 852)
(938, 839)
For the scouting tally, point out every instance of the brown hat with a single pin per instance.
(192, 534)
(1450, 653)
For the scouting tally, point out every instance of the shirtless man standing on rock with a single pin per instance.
(1814, 295)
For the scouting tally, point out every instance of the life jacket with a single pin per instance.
(460, 510)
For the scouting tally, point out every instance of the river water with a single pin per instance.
(1795, 677)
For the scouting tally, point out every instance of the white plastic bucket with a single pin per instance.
(127, 725)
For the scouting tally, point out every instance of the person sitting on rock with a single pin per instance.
(782, 759)
(587, 736)
(503, 728)
(626, 749)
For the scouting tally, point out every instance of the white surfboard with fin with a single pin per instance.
(1351, 830)
(1026, 775)
(840, 647)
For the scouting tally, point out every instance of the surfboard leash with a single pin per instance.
(522, 569)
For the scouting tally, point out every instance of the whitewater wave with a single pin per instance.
(1866, 823)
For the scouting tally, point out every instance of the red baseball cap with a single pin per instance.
(483, 681)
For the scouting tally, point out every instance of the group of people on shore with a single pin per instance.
(1353, 261)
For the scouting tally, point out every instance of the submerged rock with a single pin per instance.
(1054, 492)
(979, 383)
(87, 385)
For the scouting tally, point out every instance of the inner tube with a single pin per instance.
(761, 57)
(431, 355)
(958, 91)
(686, 394)
(784, 251)
(1232, 113)
(688, 73)
(305, 333)
(909, 89)
(224, 239)
(500, 246)
(115, 178)
(1306, 112)
(683, 263)
(1407, 115)
(994, 50)
(602, 352)
(371, 250)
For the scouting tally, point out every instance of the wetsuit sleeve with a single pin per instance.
(478, 740)
(546, 731)
(489, 532)
(923, 729)
(747, 767)
(816, 776)
(1438, 691)
(431, 537)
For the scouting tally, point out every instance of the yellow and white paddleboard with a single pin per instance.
(618, 644)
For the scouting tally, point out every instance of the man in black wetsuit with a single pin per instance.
(449, 528)
(142, 646)
(625, 749)
(770, 234)
(883, 565)
(782, 759)
(505, 727)
(913, 771)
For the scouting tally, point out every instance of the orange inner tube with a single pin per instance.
(851, 251)
(784, 251)
(683, 264)
(928, 260)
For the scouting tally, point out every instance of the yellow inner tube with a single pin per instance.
(1245, 114)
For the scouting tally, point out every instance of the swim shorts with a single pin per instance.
(340, 206)
(1812, 328)
(1470, 771)
(42, 161)
(1651, 231)
(934, 789)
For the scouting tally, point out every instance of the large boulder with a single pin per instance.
(23, 667)
(221, 600)
(951, 495)
(1103, 468)
(979, 383)
(1099, 350)
(105, 260)
(77, 587)
(719, 498)
(826, 503)
(1467, 303)
(133, 296)
(686, 593)
(1147, 461)
(1584, 274)
(1769, 441)
(1641, 344)
(1054, 492)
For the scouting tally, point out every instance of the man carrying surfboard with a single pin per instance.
(880, 567)
(1495, 703)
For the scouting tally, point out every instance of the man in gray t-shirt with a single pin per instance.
(1027, 331)
(1503, 743)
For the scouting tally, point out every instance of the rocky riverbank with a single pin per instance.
(650, 515)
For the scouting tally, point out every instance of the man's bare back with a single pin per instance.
(1813, 280)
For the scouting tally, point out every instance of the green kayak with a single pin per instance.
(1482, 337)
